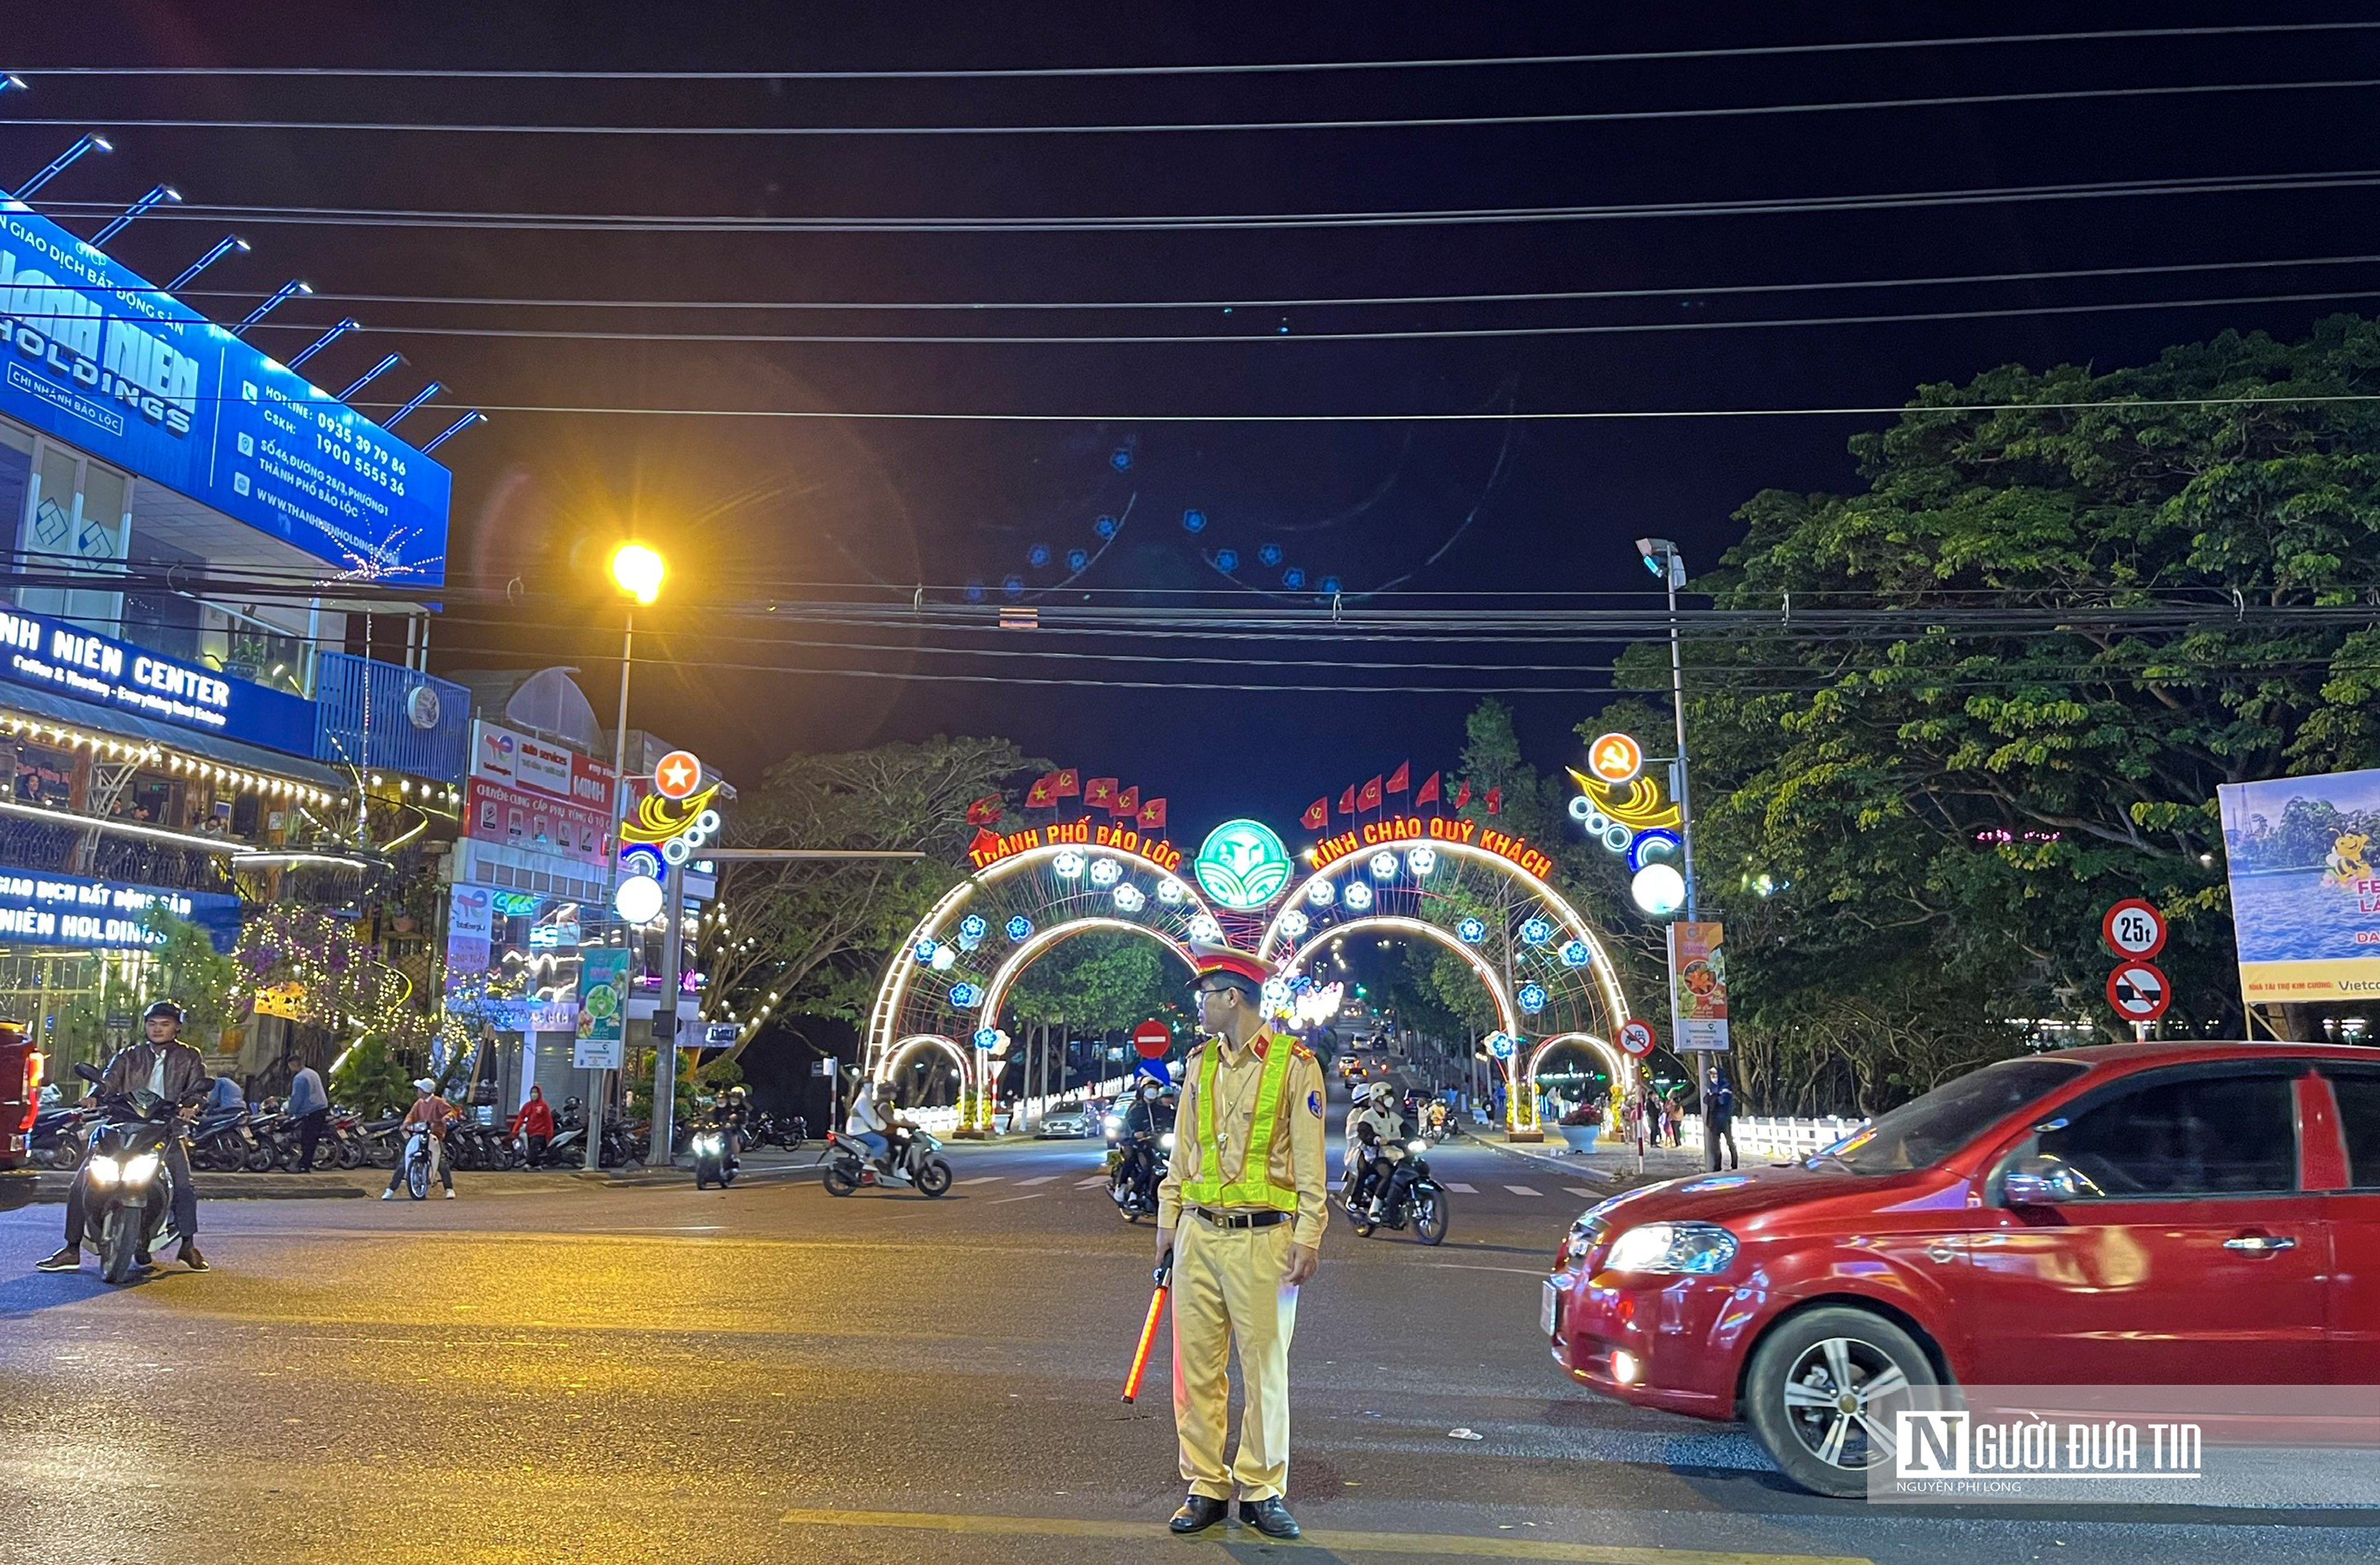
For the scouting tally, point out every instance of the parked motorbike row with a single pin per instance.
(234, 1141)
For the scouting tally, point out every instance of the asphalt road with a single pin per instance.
(770, 1374)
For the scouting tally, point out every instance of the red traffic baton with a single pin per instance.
(1148, 1331)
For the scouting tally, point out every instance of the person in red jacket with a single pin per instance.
(535, 1121)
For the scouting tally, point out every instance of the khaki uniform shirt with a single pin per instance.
(1295, 1157)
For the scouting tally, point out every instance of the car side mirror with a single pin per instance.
(2041, 1182)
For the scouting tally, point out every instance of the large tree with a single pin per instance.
(1914, 823)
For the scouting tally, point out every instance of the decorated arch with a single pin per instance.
(1473, 891)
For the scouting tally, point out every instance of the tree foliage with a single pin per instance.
(1942, 809)
(1099, 982)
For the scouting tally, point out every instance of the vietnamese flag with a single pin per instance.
(1100, 794)
(1126, 804)
(1428, 793)
(1370, 797)
(1317, 814)
(1152, 816)
(1495, 801)
(1347, 800)
(1067, 783)
(1463, 795)
(1043, 794)
(985, 810)
(984, 843)
(1401, 778)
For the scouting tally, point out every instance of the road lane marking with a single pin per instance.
(1037, 1179)
(1523, 1190)
(1327, 1540)
(1087, 1184)
(1581, 1190)
(1459, 1188)
(1006, 1199)
(982, 1179)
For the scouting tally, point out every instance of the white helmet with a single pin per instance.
(425, 1085)
(1379, 1092)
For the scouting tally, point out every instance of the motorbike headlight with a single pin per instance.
(103, 1170)
(1699, 1249)
(1166, 1141)
(139, 1168)
(1115, 1123)
(1417, 1147)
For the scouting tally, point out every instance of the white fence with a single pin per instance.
(1020, 1114)
(1780, 1139)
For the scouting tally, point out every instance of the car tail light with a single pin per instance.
(32, 1090)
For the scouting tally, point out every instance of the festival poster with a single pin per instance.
(603, 1008)
(1698, 987)
(2305, 895)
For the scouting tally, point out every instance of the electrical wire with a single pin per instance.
(1247, 68)
(1120, 127)
(2218, 184)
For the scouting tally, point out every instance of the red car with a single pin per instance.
(2142, 1214)
(21, 1092)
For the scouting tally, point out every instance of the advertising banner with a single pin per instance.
(470, 930)
(1698, 987)
(58, 655)
(603, 1008)
(536, 766)
(96, 355)
(2305, 896)
(67, 910)
(494, 813)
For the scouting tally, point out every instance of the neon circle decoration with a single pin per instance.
(1243, 865)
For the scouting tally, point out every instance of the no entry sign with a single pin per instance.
(2133, 927)
(1636, 1037)
(2139, 991)
(1152, 1039)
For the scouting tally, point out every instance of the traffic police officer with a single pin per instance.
(1242, 1213)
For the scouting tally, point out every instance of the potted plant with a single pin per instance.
(1581, 1127)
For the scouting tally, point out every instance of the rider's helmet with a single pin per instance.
(165, 1008)
(1151, 1089)
(735, 1095)
(424, 1084)
(1380, 1093)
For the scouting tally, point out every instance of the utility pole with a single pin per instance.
(1662, 556)
(665, 1018)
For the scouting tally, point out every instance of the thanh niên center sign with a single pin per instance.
(95, 355)
(54, 654)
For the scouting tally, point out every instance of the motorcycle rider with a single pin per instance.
(733, 1115)
(1149, 1116)
(430, 1109)
(867, 1126)
(1375, 1138)
(170, 1069)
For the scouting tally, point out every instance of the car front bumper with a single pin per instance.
(1674, 1343)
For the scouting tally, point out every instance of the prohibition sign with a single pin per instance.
(1636, 1037)
(2139, 991)
(2133, 927)
(1152, 1039)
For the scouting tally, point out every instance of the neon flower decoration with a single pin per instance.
(1470, 932)
(1384, 867)
(1358, 896)
(1205, 930)
(987, 1038)
(1501, 1045)
(1295, 924)
(1130, 899)
(925, 949)
(973, 925)
(1320, 892)
(1068, 864)
(1575, 954)
(1421, 861)
(1020, 927)
(943, 959)
(1106, 872)
(1537, 932)
(966, 995)
(1170, 891)
(1531, 998)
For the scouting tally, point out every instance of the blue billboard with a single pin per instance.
(60, 655)
(103, 360)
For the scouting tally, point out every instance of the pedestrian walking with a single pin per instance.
(534, 1125)
(1719, 1109)
(1240, 1221)
(310, 1107)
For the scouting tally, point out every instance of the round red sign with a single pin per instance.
(1152, 1039)
(678, 775)
(1636, 1037)
(2139, 991)
(2133, 927)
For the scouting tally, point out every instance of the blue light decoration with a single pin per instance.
(1020, 927)
(1537, 932)
(1331, 584)
(1194, 521)
(987, 1038)
(975, 591)
(973, 928)
(1226, 560)
(1501, 1045)
(926, 949)
(1574, 953)
(1037, 556)
(965, 995)
(1531, 998)
(1293, 578)
(1105, 527)
(1269, 554)
(1120, 459)
(1012, 586)
(1647, 846)
(1470, 932)
(1077, 558)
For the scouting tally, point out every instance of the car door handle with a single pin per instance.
(2261, 1244)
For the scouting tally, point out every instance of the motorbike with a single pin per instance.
(379, 1140)
(1138, 1171)
(416, 1162)
(128, 1190)
(919, 1163)
(224, 1141)
(59, 1136)
(1411, 1196)
(346, 1141)
(713, 1163)
(772, 1130)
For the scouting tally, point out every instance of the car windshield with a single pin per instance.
(1926, 1129)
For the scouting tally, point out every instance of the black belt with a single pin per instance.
(1240, 1219)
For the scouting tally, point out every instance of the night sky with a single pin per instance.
(752, 510)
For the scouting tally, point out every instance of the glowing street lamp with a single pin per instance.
(638, 569)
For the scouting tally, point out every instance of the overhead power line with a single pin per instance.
(1221, 68)
(1769, 206)
(1143, 127)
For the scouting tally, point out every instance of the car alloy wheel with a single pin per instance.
(1822, 1391)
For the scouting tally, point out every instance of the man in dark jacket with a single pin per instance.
(170, 1069)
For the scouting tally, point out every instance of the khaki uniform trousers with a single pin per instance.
(1227, 1290)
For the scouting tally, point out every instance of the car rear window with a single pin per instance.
(2199, 1134)
(1926, 1129)
(2359, 1118)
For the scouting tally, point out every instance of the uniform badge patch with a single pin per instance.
(1314, 1104)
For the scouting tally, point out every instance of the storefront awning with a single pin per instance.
(48, 708)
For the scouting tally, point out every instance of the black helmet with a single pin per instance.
(162, 1008)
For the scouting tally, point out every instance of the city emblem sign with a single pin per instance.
(1242, 865)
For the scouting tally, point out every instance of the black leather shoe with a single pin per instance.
(1270, 1517)
(1198, 1513)
(70, 1259)
(195, 1261)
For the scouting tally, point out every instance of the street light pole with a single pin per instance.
(1662, 556)
(596, 1102)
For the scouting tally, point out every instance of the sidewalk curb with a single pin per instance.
(22, 1187)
